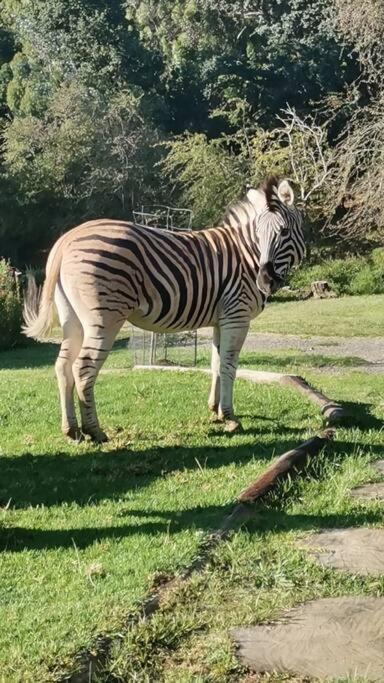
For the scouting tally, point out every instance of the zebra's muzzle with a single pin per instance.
(267, 279)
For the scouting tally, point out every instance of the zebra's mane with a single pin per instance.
(233, 208)
(268, 186)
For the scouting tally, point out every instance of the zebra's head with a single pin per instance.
(279, 233)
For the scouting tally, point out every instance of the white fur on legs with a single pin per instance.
(232, 338)
(70, 347)
(214, 396)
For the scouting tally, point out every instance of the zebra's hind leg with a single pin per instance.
(214, 396)
(232, 337)
(96, 346)
(70, 347)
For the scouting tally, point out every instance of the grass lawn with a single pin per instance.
(85, 529)
(344, 317)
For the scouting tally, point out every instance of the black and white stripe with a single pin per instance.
(107, 272)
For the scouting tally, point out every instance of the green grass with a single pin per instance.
(84, 529)
(344, 317)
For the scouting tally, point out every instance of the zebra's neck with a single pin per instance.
(241, 226)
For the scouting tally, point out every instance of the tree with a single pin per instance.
(359, 160)
(89, 155)
(266, 53)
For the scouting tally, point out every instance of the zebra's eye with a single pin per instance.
(284, 231)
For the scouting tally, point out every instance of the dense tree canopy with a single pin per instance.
(108, 104)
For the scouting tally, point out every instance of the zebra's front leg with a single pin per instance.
(214, 396)
(232, 337)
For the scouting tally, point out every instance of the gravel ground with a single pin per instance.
(368, 351)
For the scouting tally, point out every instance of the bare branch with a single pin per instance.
(309, 153)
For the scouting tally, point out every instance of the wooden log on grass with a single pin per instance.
(320, 289)
(290, 460)
(287, 464)
(333, 412)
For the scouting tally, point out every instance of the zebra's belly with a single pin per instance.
(145, 323)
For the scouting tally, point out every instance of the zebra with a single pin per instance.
(105, 272)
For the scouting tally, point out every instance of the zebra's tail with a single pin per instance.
(39, 302)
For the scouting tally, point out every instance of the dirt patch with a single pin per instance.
(359, 551)
(334, 637)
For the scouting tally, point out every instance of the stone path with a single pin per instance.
(359, 551)
(331, 637)
(369, 492)
(334, 637)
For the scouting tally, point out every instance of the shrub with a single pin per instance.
(377, 258)
(352, 275)
(365, 281)
(339, 273)
(10, 309)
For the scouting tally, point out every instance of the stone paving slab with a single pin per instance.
(369, 492)
(357, 550)
(378, 466)
(334, 637)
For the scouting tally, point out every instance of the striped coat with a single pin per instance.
(105, 272)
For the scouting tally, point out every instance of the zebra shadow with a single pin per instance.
(155, 522)
(361, 415)
(85, 478)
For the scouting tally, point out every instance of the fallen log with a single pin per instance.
(333, 412)
(284, 464)
(287, 464)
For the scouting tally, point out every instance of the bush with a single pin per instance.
(352, 275)
(11, 312)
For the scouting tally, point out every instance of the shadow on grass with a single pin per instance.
(153, 522)
(33, 356)
(360, 415)
(87, 478)
(36, 355)
(285, 359)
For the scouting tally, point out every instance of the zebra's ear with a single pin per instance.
(258, 199)
(285, 193)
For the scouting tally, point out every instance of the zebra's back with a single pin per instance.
(157, 279)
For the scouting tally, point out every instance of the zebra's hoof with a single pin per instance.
(97, 435)
(232, 426)
(73, 434)
(215, 417)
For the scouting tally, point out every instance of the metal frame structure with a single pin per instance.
(163, 217)
(172, 219)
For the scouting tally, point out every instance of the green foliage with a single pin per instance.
(353, 275)
(10, 309)
(88, 88)
(89, 154)
(221, 50)
(208, 173)
(211, 174)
